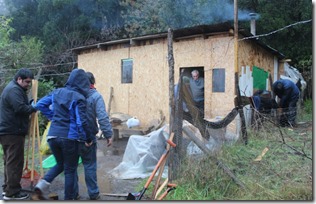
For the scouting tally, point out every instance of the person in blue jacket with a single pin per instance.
(289, 94)
(96, 113)
(66, 108)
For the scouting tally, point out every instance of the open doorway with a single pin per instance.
(187, 71)
(196, 89)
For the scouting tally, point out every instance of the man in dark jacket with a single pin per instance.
(66, 109)
(288, 93)
(14, 121)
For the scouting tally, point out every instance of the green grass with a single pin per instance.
(1, 156)
(283, 173)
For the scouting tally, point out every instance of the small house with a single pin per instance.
(138, 70)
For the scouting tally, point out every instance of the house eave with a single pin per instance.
(252, 38)
(183, 33)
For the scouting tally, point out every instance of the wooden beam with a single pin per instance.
(207, 151)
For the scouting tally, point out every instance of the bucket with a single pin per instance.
(50, 161)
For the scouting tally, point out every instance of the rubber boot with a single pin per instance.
(42, 189)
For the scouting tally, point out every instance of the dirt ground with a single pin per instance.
(108, 158)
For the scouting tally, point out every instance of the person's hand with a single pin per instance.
(33, 104)
(88, 144)
(109, 141)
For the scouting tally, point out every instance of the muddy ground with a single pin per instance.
(108, 158)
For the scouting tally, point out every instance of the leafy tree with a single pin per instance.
(24, 18)
(294, 42)
(64, 24)
(142, 17)
(15, 54)
(5, 31)
(154, 16)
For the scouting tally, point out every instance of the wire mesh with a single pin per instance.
(278, 156)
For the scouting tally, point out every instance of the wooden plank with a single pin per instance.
(203, 147)
(110, 100)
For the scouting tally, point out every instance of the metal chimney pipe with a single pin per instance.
(253, 17)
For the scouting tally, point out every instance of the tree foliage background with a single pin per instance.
(64, 24)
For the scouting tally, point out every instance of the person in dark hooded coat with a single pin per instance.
(66, 109)
(289, 94)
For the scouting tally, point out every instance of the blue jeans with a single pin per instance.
(289, 112)
(89, 161)
(65, 152)
(291, 115)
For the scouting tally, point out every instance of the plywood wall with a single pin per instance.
(250, 54)
(149, 91)
(212, 52)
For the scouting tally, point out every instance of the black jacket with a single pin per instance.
(14, 110)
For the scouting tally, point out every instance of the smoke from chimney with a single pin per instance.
(253, 17)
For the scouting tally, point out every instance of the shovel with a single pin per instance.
(139, 195)
(29, 175)
(26, 170)
(169, 145)
(171, 186)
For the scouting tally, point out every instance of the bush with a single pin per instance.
(308, 106)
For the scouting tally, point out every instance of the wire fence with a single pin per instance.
(272, 139)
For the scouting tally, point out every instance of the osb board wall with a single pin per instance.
(105, 65)
(210, 53)
(149, 91)
(281, 70)
(250, 54)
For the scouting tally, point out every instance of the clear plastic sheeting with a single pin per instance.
(293, 74)
(141, 155)
(217, 138)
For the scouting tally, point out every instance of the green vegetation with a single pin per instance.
(41, 34)
(63, 25)
(284, 172)
(308, 107)
(15, 54)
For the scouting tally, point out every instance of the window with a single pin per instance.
(218, 82)
(127, 71)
